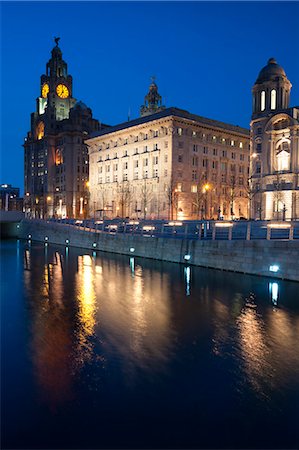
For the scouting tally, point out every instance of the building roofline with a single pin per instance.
(180, 113)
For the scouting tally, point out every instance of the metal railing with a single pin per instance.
(199, 229)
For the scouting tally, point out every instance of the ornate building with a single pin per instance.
(274, 167)
(169, 164)
(56, 157)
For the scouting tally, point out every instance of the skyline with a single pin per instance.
(112, 77)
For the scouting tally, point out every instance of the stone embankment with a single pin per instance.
(274, 258)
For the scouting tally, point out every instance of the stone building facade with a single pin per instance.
(169, 164)
(274, 168)
(56, 157)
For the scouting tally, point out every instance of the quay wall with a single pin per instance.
(251, 257)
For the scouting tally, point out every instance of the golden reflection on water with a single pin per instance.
(255, 352)
(51, 336)
(86, 298)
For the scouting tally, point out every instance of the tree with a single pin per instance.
(124, 196)
(146, 196)
(172, 196)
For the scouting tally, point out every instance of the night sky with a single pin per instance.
(205, 55)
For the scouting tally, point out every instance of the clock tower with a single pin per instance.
(56, 156)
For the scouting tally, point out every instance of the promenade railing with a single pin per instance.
(191, 229)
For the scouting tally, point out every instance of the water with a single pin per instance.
(107, 351)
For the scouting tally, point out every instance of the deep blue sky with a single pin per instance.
(205, 55)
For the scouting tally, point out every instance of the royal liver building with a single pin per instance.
(274, 147)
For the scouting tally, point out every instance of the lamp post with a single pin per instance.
(205, 190)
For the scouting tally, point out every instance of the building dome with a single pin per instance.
(271, 71)
(80, 105)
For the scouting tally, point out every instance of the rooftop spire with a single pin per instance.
(152, 101)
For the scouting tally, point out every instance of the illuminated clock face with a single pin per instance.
(62, 91)
(45, 90)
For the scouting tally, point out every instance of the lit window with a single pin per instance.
(283, 160)
(179, 187)
(241, 145)
(232, 143)
(273, 99)
(180, 131)
(194, 188)
(263, 100)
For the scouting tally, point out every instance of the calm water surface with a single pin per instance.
(106, 351)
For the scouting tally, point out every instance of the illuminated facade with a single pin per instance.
(169, 164)
(274, 168)
(56, 157)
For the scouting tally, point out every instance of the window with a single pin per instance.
(259, 130)
(232, 167)
(195, 148)
(241, 157)
(181, 144)
(165, 173)
(180, 158)
(205, 150)
(166, 158)
(241, 145)
(204, 163)
(241, 181)
(135, 151)
(155, 160)
(136, 163)
(214, 138)
(233, 155)
(194, 176)
(180, 131)
(223, 178)
(145, 174)
(115, 167)
(273, 99)
(194, 188)
(115, 177)
(195, 161)
(166, 144)
(232, 143)
(214, 165)
(156, 147)
(107, 168)
(215, 152)
(193, 133)
(145, 148)
(125, 177)
(263, 100)
(125, 165)
(179, 187)
(258, 148)
(258, 167)
(224, 153)
(145, 162)
(155, 133)
(155, 173)
(145, 136)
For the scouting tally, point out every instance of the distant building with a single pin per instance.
(274, 168)
(10, 198)
(56, 157)
(169, 164)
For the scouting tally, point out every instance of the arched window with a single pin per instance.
(263, 100)
(273, 99)
(283, 156)
(40, 130)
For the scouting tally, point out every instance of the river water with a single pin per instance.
(108, 351)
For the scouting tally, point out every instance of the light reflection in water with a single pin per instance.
(273, 289)
(254, 349)
(187, 272)
(51, 338)
(86, 298)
